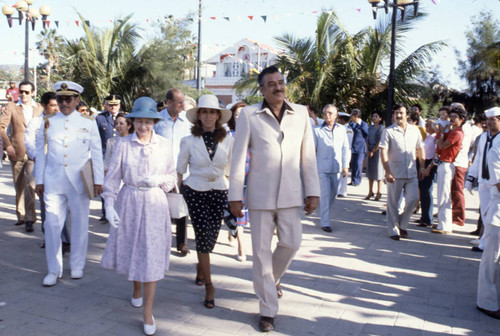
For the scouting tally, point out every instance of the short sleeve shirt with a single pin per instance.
(455, 138)
(401, 148)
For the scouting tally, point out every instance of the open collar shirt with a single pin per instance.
(401, 148)
(174, 130)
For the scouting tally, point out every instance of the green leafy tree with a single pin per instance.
(49, 43)
(481, 66)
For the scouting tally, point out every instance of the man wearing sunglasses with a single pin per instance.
(18, 115)
(64, 144)
(106, 124)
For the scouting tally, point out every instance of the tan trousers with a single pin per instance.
(24, 184)
(269, 266)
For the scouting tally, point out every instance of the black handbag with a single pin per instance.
(230, 221)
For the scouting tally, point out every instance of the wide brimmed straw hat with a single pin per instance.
(144, 107)
(211, 102)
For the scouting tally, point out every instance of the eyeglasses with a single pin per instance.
(25, 92)
(67, 99)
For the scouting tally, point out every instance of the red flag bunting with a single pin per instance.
(213, 17)
(250, 17)
(77, 23)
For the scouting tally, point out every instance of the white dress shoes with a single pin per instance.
(50, 279)
(137, 303)
(150, 329)
(76, 274)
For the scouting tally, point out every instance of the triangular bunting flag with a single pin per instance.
(264, 17)
(87, 22)
(250, 17)
(359, 10)
(57, 24)
(147, 20)
(213, 17)
(226, 18)
(47, 22)
(77, 23)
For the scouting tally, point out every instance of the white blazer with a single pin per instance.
(205, 174)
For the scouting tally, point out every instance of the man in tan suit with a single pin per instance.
(279, 138)
(18, 115)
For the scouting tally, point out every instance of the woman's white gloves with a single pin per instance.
(112, 216)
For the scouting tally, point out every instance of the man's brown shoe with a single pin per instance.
(266, 323)
(490, 313)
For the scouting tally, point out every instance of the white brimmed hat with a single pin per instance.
(492, 112)
(343, 114)
(67, 88)
(211, 102)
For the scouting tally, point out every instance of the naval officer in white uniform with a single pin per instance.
(71, 139)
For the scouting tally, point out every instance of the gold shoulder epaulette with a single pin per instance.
(86, 116)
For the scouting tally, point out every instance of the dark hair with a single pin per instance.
(171, 92)
(460, 111)
(445, 108)
(269, 70)
(220, 132)
(400, 105)
(356, 112)
(28, 83)
(128, 120)
(232, 122)
(380, 114)
(415, 117)
(47, 97)
(80, 104)
(417, 106)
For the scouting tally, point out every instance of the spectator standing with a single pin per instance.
(374, 168)
(358, 149)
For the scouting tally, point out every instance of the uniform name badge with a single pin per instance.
(84, 134)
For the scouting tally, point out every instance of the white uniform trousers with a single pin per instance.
(486, 290)
(396, 218)
(329, 186)
(445, 173)
(343, 186)
(268, 265)
(56, 210)
(484, 200)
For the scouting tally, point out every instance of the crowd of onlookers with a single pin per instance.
(67, 153)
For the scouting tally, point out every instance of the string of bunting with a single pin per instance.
(239, 18)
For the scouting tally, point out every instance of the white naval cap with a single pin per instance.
(343, 114)
(492, 112)
(67, 88)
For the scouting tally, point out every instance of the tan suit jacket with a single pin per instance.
(282, 159)
(14, 116)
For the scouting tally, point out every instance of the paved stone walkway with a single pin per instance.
(353, 281)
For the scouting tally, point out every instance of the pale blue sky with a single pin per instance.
(446, 21)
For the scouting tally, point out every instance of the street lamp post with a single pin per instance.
(394, 5)
(29, 14)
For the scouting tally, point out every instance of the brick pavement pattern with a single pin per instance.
(353, 281)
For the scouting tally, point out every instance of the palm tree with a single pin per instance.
(105, 61)
(48, 44)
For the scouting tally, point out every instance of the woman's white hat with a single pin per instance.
(211, 102)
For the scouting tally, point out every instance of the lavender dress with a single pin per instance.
(140, 246)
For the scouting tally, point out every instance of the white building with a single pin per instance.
(229, 65)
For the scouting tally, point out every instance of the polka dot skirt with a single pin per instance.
(206, 209)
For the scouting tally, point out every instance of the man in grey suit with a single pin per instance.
(279, 138)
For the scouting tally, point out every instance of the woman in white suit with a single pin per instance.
(207, 152)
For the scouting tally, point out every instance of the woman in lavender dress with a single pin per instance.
(140, 235)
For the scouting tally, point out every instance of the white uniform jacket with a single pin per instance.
(205, 174)
(493, 210)
(476, 169)
(71, 140)
(282, 158)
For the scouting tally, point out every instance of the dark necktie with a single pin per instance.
(489, 141)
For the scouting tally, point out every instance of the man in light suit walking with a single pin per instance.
(18, 115)
(71, 138)
(279, 138)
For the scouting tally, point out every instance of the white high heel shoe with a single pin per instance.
(150, 329)
(137, 303)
